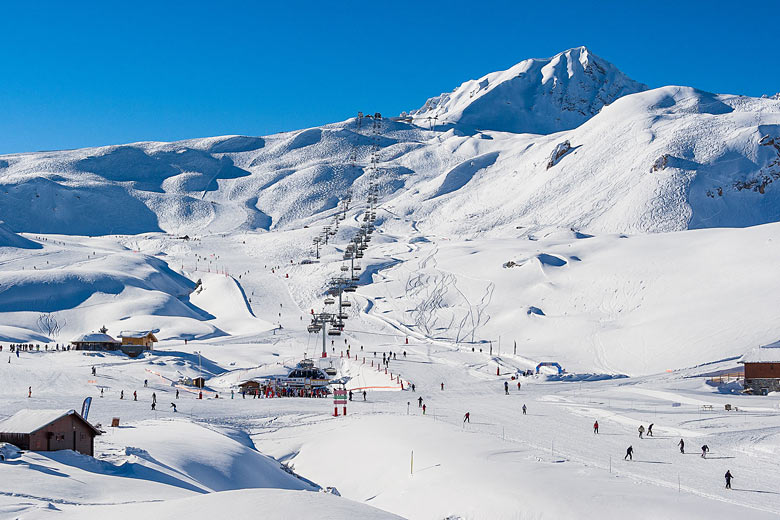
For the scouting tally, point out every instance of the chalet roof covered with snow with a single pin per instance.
(94, 337)
(29, 421)
(765, 354)
(138, 333)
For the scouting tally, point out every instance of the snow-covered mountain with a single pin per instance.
(622, 159)
(538, 96)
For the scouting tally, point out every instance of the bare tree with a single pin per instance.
(49, 325)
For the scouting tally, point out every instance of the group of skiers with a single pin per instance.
(28, 347)
(649, 433)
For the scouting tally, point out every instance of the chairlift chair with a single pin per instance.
(344, 268)
(329, 301)
(342, 316)
(350, 288)
(334, 332)
(346, 304)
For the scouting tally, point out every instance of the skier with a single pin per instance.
(413, 387)
(424, 409)
(177, 393)
(704, 450)
(173, 405)
(650, 430)
(243, 394)
(154, 398)
(506, 388)
(629, 453)
(350, 395)
(442, 386)
(641, 430)
(29, 392)
(596, 427)
(361, 348)
(364, 395)
(101, 392)
(524, 409)
(681, 444)
(518, 385)
(728, 476)
(467, 418)
(93, 371)
(135, 396)
(231, 394)
(121, 394)
(146, 382)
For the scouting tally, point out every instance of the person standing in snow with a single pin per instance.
(641, 430)
(101, 392)
(350, 395)
(177, 393)
(704, 450)
(728, 476)
(650, 430)
(146, 382)
(424, 409)
(518, 385)
(506, 388)
(442, 386)
(524, 409)
(467, 418)
(121, 394)
(231, 394)
(173, 405)
(364, 395)
(29, 392)
(629, 453)
(419, 402)
(154, 398)
(596, 427)
(681, 444)
(135, 396)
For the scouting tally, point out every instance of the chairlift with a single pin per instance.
(333, 291)
(346, 304)
(350, 288)
(334, 332)
(329, 301)
(314, 328)
(357, 268)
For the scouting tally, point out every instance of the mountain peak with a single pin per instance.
(538, 96)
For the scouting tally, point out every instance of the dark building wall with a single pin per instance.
(20, 440)
(762, 370)
(67, 433)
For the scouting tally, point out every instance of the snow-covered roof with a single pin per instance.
(94, 337)
(29, 421)
(765, 354)
(137, 333)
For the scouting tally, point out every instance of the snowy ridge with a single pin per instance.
(538, 96)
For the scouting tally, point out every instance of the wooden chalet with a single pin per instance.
(49, 430)
(762, 369)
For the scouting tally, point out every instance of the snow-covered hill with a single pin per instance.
(623, 159)
(537, 96)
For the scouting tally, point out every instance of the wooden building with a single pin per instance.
(134, 342)
(250, 387)
(762, 369)
(95, 341)
(144, 338)
(49, 430)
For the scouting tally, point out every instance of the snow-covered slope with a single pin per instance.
(538, 96)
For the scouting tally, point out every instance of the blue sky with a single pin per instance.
(96, 74)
